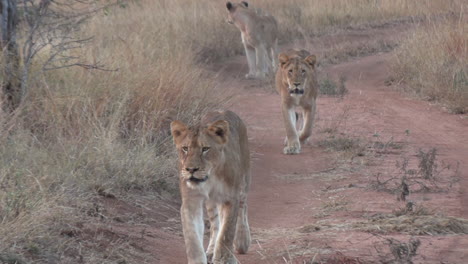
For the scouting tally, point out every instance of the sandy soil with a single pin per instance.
(303, 207)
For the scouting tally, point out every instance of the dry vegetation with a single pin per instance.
(413, 220)
(83, 133)
(433, 62)
(302, 18)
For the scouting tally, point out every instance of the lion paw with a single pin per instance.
(209, 256)
(250, 76)
(230, 260)
(291, 150)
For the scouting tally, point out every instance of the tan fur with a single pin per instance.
(216, 150)
(259, 31)
(297, 73)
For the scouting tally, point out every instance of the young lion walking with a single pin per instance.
(214, 166)
(296, 82)
(259, 32)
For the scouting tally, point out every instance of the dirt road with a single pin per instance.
(307, 207)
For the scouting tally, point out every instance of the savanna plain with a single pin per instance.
(88, 167)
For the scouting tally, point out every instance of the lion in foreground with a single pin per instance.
(214, 166)
(297, 84)
(259, 32)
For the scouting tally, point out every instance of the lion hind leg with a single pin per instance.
(262, 58)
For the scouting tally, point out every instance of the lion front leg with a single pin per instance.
(274, 55)
(223, 253)
(309, 117)
(293, 146)
(242, 238)
(213, 216)
(251, 59)
(193, 226)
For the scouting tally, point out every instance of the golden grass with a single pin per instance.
(82, 131)
(415, 225)
(433, 62)
(303, 18)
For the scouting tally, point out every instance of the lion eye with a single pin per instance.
(303, 71)
(290, 71)
(205, 149)
(185, 149)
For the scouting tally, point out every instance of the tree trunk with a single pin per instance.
(10, 82)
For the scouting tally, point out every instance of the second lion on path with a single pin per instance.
(214, 167)
(259, 32)
(296, 82)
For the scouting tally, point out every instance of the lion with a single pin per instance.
(297, 84)
(259, 32)
(214, 167)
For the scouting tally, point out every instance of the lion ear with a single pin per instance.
(178, 131)
(245, 3)
(311, 60)
(219, 130)
(283, 59)
(229, 6)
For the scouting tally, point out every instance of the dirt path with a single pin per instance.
(303, 207)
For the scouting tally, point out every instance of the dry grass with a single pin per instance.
(344, 52)
(303, 18)
(329, 87)
(414, 224)
(335, 204)
(426, 173)
(433, 62)
(82, 134)
(350, 147)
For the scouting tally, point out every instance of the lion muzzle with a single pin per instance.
(296, 91)
(198, 180)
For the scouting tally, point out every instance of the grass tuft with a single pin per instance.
(331, 88)
(414, 224)
(432, 63)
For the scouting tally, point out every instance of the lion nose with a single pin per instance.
(297, 84)
(192, 170)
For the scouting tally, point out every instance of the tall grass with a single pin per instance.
(83, 132)
(304, 18)
(433, 62)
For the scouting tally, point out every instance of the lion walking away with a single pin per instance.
(259, 33)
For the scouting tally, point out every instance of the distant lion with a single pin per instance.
(296, 82)
(259, 32)
(214, 166)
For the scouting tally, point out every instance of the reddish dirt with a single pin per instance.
(301, 207)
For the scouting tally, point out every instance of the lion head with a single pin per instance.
(200, 148)
(297, 69)
(233, 8)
